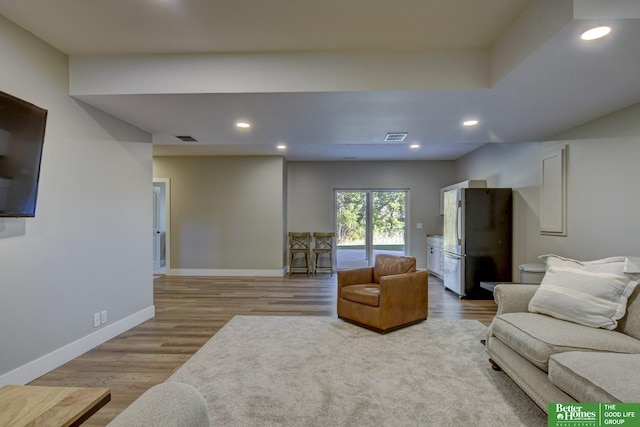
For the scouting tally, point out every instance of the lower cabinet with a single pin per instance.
(435, 255)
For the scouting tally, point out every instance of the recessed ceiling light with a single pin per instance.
(414, 146)
(281, 147)
(243, 125)
(470, 122)
(595, 33)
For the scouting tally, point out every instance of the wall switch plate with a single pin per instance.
(419, 226)
(103, 316)
(96, 320)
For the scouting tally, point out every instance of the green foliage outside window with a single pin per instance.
(388, 217)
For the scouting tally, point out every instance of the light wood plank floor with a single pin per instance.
(190, 310)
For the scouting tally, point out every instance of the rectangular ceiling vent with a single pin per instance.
(186, 138)
(395, 137)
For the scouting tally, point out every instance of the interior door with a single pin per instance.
(156, 228)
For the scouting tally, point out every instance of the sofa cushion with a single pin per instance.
(597, 377)
(536, 337)
(592, 293)
(362, 294)
(387, 265)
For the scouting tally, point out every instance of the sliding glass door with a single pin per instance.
(369, 222)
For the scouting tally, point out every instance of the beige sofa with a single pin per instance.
(555, 360)
(168, 404)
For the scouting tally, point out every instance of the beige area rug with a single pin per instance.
(321, 371)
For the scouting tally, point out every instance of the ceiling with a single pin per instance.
(348, 71)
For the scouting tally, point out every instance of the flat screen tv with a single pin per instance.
(22, 128)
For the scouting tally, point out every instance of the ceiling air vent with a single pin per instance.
(186, 138)
(395, 136)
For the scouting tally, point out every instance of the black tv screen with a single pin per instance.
(22, 128)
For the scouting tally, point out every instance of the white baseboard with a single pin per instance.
(225, 272)
(59, 357)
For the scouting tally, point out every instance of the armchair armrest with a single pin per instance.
(513, 298)
(404, 287)
(358, 276)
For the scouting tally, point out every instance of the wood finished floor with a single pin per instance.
(190, 310)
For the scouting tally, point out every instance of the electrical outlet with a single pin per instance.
(96, 320)
(103, 316)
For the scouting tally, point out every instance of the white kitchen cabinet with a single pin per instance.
(435, 255)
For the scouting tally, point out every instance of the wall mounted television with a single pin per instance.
(22, 127)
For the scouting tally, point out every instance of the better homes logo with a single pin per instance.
(573, 415)
(594, 414)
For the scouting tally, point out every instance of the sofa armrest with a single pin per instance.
(358, 276)
(513, 298)
(164, 405)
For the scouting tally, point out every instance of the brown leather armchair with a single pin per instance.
(388, 296)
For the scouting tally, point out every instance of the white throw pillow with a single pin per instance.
(632, 265)
(591, 293)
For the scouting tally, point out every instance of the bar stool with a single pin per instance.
(300, 244)
(323, 244)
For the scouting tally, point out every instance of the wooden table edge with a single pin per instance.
(100, 402)
(91, 400)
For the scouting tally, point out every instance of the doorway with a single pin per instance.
(368, 223)
(161, 225)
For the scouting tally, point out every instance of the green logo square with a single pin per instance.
(593, 414)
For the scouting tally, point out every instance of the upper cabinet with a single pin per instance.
(470, 183)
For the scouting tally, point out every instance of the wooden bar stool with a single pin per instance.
(300, 244)
(323, 244)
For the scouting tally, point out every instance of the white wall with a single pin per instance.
(311, 185)
(227, 214)
(602, 205)
(88, 249)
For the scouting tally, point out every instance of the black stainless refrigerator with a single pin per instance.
(477, 239)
